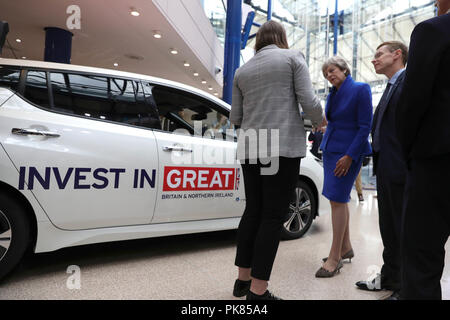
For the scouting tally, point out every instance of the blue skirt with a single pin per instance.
(334, 188)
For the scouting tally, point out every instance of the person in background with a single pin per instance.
(359, 187)
(221, 124)
(344, 145)
(267, 92)
(389, 167)
(424, 107)
(316, 137)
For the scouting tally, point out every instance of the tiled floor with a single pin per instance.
(201, 266)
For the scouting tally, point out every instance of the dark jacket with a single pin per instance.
(424, 106)
(389, 160)
(316, 138)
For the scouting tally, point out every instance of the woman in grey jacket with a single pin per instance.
(269, 92)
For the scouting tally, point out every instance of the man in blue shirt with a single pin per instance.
(389, 166)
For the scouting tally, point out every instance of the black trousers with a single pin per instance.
(267, 203)
(390, 204)
(425, 228)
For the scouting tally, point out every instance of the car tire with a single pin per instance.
(14, 233)
(302, 211)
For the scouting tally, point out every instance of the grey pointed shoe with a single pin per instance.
(349, 255)
(324, 273)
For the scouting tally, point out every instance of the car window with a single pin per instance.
(36, 89)
(81, 95)
(9, 77)
(130, 105)
(114, 99)
(179, 109)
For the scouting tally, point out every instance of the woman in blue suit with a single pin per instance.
(344, 145)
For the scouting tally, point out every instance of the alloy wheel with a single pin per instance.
(299, 211)
(5, 235)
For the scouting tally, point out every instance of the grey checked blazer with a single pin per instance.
(269, 92)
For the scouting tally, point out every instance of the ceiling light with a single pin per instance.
(210, 88)
(195, 74)
(157, 35)
(204, 81)
(186, 64)
(135, 13)
(18, 40)
(173, 51)
(24, 57)
(216, 93)
(116, 64)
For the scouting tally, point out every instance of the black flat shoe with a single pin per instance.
(241, 288)
(374, 285)
(266, 296)
(377, 285)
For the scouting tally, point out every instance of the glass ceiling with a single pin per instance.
(363, 25)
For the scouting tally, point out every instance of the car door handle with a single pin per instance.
(176, 148)
(34, 132)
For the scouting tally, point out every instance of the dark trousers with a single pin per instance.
(267, 203)
(390, 203)
(426, 227)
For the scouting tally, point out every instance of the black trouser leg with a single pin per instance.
(249, 224)
(390, 203)
(267, 201)
(426, 228)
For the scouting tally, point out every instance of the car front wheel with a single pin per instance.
(302, 210)
(14, 233)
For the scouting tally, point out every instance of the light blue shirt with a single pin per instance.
(395, 77)
(393, 80)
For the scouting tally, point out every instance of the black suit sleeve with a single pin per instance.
(424, 57)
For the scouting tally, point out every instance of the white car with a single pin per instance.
(90, 155)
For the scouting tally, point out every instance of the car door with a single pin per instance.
(83, 150)
(199, 176)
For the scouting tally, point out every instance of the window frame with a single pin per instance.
(24, 73)
(22, 84)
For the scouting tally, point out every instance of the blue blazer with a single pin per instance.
(349, 114)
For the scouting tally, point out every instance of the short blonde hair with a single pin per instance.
(338, 62)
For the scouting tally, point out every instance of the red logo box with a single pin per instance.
(198, 179)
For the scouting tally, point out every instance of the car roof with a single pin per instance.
(110, 72)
